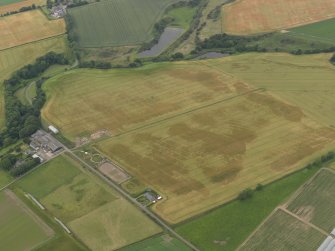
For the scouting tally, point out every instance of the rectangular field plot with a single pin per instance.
(94, 212)
(117, 22)
(206, 157)
(20, 228)
(315, 203)
(307, 81)
(158, 243)
(257, 16)
(322, 31)
(28, 27)
(284, 232)
(123, 100)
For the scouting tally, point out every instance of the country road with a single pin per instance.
(144, 209)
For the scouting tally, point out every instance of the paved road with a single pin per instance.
(132, 200)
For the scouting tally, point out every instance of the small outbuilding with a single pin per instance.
(53, 129)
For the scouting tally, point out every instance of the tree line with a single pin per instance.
(236, 44)
(22, 120)
(22, 9)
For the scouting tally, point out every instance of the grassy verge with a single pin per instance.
(226, 227)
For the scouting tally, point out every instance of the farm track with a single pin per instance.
(186, 112)
(32, 42)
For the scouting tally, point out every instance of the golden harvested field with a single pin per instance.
(256, 16)
(204, 158)
(16, 6)
(307, 81)
(82, 102)
(15, 58)
(28, 27)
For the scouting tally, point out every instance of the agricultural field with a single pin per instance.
(315, 203)
(15, 58)
(226, 227)
(168, 119)
(28, 27)
(117, 22)
(5, 178)
(228, 147)
(95, 213)
(306, 81)
(182, 17)
(16, 5)
(282, 231)
(123, 100)
(6, 2)
(258, 16)
(322, 31)
(158, 243)
(18, 221)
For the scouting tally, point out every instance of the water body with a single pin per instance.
(169, 35)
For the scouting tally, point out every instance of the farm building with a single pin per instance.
(53, 129)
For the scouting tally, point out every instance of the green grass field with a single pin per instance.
(89, 207)
(315, 203)
(306, 81)
(15, 58)
(117, 22)
(158, 243)
(182, 16)
(322, 31)
(227, 227)
(20, 228)
(5, 178)
(6, 2)
(284, 232)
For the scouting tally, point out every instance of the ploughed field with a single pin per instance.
(28, 27)
(117, 22)
(284, 232)
(14, 58)
(92, 210)
(315, 203)
(257, 16)
(195, 133)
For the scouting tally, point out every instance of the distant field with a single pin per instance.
(15, 58)
(284, 232)
(306, 81)
(117, 22)
(256, 16)
(122, 100)
(322, 31)
(182, 16)
(316, 203)
(96, 214)
(16, 5)
(17, 221)
(28, 27)
(6, 2)
(158, 243)
(228, 226)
